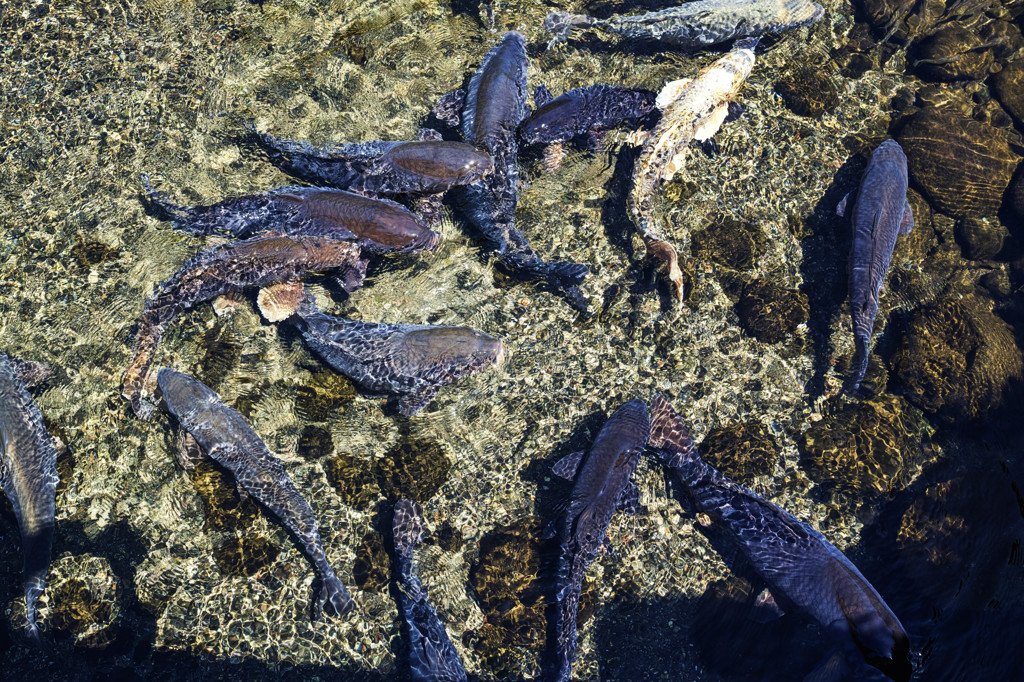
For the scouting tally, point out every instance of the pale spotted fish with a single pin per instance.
(879, 214)
(801, 568)
(695, 24)
(692, 110)
(225, 269)
(226, 437)
(28, 476)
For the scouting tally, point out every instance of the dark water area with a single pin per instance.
(159, 573)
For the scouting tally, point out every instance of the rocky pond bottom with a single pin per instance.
(162, 573)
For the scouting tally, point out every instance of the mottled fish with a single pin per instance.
(495, 106)
(377, 225)
(226, 437)
(695, 24)
(28, 476)
(432, 657)
(410, 360)
(602, 487)
(879, 214)
(800, 567)
(692, 110)
(381, 167)
(225, 269)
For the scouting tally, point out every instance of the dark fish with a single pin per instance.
(880, 213)
(602, 487)
(377, 225)
(594, 110)
(495, 106)
(799, 565)
(28, 476)
(224, 269)
(695, 24)
(432, 658)
(421, 167)
(227, 438)
(411, 360)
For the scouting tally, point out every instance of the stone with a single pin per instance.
(980, 238)
(741, 451)
(962, 166)
(83, 600)
(770, 312)
(957, 359)
(808, 92)
(734, 244)
(953, 53)
(1008, 87)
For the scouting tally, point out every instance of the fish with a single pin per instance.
(28, 476)
(432, 657)
(879, 214)
(378, 225)
(593, 109)
(801, 568)
(226, 437)
(695, 24)
(425, 166)
(410, 360)
(601, 488)
(692, 110)
(495, 105)
(226, 269)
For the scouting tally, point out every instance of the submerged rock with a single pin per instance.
(957, 359)
(729, 242)
(865, 448)
(962, 166)
(415, 468)
(372, 567)
(808, 91)
(741, 451)
(1008, 86)
(980, 238)
(953, 53)
(85, 601)
(323, 396)
(770, 312)
(354, 479)
(225, 508)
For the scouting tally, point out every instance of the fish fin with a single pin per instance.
(189, 452)
(766, 609)
(31, 373)
(280, 301)
(638, 138)
(550, 531)
(595, 138)
(674, 165)
(832, 668)
(907, 224)
(449, 108)
(709, 147)
(553, 155)
(227, 304)
(333, 599)
(567, 466)
(415, 400)
(428, 134)
(629, 500)
(351, 275)
(243, 494)
(712, 122)
(671, 92)
(664, 255)
(735, 111)
(668, 433)
(541, 96)
(841, 208)
(747, 43)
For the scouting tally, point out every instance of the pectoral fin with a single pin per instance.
(415, 400)
(841, 208)
(629, 500)
(766, 609)
(907, 224)
(711, 123)
(671, 92)
(190, 453)
(567, 466)
(541, 96)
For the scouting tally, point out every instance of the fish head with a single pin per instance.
(182, 394)
(457, 350)
(440, 164)
(553, 122)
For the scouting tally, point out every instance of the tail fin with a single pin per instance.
(748, 43)
(160, 200)
(334, 599)
(669, 435)
(35, 548)
(560, 274)
(858, 368)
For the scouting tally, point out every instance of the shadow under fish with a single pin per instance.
(28, 476)
(495, 105)
(802, 569)
(432, 657)
(210, 426)
(878, 214)
(410, 360)
(226, 269)
(602, 487)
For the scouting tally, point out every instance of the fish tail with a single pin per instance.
(748, 43)
(160, 200)
(307, 306)
(858, 368)
(36, 553)
(334, 599)
(561, 274)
